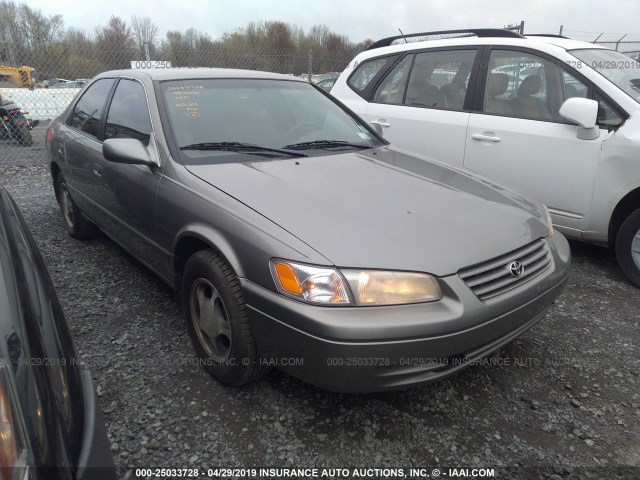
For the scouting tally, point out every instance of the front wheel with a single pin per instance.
(217, 320)
(23, 136)
(628, 247)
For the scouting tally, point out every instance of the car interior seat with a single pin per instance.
(395, 93)
(422, 91)
(525, 104)
(454, 94)
(497, 86)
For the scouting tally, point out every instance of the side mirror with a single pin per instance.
(584, 112)
(127, 150)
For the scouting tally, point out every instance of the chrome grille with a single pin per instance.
(494, 277)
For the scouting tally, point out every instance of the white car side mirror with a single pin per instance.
(584, 112)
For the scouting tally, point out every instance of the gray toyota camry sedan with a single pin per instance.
(294, 236)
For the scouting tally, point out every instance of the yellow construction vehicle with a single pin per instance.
(20, 76)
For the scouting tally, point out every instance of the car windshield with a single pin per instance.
(616, 67)
(227, 119)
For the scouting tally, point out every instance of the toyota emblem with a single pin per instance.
(516, 269)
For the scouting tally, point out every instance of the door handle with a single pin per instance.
(96, 173)
(485, 138)
(381, 123)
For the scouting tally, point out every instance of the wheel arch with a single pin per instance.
(625, 207)
(200, 237)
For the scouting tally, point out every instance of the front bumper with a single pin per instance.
(364, 349)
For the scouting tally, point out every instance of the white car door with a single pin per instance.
(520, 141)
(419, 106)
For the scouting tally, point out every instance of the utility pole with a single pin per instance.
(146, 51)
(561, 27)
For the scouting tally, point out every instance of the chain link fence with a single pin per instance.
(44, 82)
(39, 82)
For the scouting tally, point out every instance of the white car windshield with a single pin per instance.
(618, 68)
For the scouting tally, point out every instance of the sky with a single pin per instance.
(361, 19)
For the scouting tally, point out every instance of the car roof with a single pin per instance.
(162, 74)
(532, 40)
(565, 43)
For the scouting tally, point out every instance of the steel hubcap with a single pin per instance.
(635, 249)
(210, 320)
(67, 206)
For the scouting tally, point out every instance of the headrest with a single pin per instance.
(530, 86)
(498, 83)
(413, 92)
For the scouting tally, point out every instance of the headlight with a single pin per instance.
(376, 287)
(14, 452)
(325, 285)
(549, 220)
(310, 284)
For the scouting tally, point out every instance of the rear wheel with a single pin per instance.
(628, 247)
(216, 316)
(23, 136)
(75, 224)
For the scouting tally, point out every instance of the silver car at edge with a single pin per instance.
(294, 235)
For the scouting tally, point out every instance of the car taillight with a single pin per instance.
(14, 451)
(49, 135)
(14, 111)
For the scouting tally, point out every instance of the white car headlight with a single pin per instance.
(325, 285)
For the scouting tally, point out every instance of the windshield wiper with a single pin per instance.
(327, 144)
(240, 147)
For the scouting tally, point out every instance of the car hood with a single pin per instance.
(382, 209)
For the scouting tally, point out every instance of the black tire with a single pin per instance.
(629, 231)
(23, 136)
(74, 223)
(223, 338)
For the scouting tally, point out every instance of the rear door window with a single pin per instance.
(392, 89)
(439, 79)
(367, 71)
(431, 79)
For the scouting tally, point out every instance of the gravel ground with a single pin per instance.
(563, 397)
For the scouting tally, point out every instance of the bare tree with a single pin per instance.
(319, 34)
(11, 34)
(78, 39)
(145, 31)
(25, 31)
(40, 31)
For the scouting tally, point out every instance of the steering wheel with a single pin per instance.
(300, 130)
